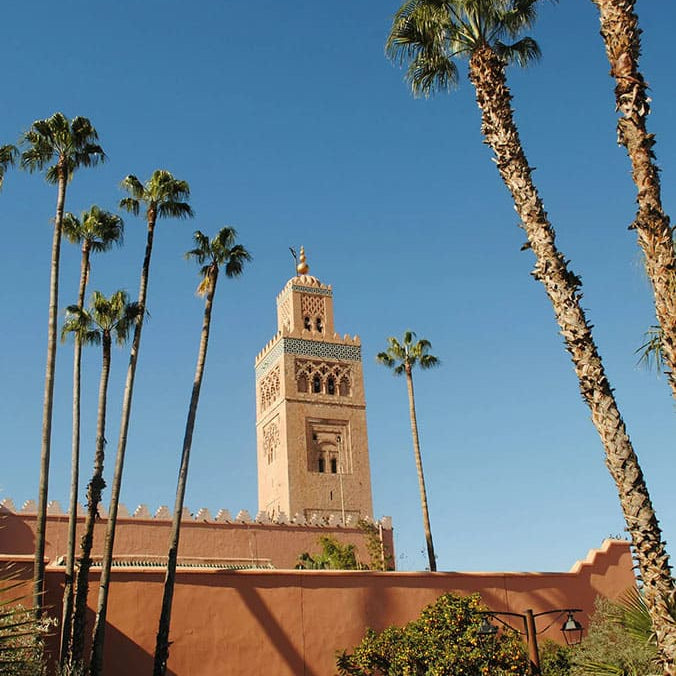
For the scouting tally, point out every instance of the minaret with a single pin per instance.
(310, 410)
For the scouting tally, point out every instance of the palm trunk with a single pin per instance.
(94, 490)
(563, 288)
(75, 470)
(162, 644)
(421, 476)
(621, 34)
(109, 543)
(43, 488)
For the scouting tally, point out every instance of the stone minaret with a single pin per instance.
(310, 410)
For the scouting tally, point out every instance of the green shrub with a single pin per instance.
(443, 641)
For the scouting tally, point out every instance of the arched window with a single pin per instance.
(307, 324)
(316, 384)
(319, 325)
(331, 385)
(334, 465)
(321, 464)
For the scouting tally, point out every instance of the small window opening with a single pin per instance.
(319, 325)
(307, 324)
(331, 385)
(321, 464)
(334, 466)
(330, 495)
(316, 384)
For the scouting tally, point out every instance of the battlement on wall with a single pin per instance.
(203, 515)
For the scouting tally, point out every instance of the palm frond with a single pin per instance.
(131, 205)
(650, 353)
(523, 52)
(174, 209)
(420, 36)
(133, 186)
(8, 155)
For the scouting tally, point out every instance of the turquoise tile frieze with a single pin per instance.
(307, 348)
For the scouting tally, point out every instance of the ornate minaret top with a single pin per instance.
(302, 268)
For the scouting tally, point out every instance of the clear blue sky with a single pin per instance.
(290, 124)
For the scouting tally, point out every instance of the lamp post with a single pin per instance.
(571, 629)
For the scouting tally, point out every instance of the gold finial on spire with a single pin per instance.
(302, 268)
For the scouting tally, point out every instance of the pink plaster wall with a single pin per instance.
(287, 623)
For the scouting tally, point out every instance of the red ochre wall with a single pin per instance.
(288, 623)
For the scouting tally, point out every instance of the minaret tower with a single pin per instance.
(310, 410)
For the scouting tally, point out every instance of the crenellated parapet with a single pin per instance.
(202, 515)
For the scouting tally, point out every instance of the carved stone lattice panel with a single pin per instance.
(271, 440)
(284, 313)
(270, 388)
(313, 306)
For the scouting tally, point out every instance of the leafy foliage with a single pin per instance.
(619, 640)
(334, 556)
(61, 146)
(555, 659)
(443, 641)
(21, 634)
(379, 558)
(402, 356)
(429, 35)
(8, 155)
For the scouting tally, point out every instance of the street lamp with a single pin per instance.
(571, 629)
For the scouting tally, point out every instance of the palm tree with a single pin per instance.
(106, 319)
(163, 196)
(402, 357)
(211, 255)
(60, 146)
(8, 156)
(621, 34)
(428, 35)
(96, 231)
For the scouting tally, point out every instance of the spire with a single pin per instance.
(302, 268)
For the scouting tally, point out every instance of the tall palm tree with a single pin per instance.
(402, 357)
(222, 250)
(96, 231)
(162, 196)
(428, 35)
(60, 146)
(107, 319)
(621, 34)
(8, 155)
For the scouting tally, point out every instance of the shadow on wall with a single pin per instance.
(15, 536)
(123, 656)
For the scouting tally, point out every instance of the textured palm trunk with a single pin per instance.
(94, 490)
(98, 638)
(66, 617)
(162, 643)
(48, 401)
(563, 288)
(621, 34)
(419, 467)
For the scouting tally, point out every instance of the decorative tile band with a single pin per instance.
(312, 289)
(307, 348)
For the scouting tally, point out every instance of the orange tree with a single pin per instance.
(444, 640)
